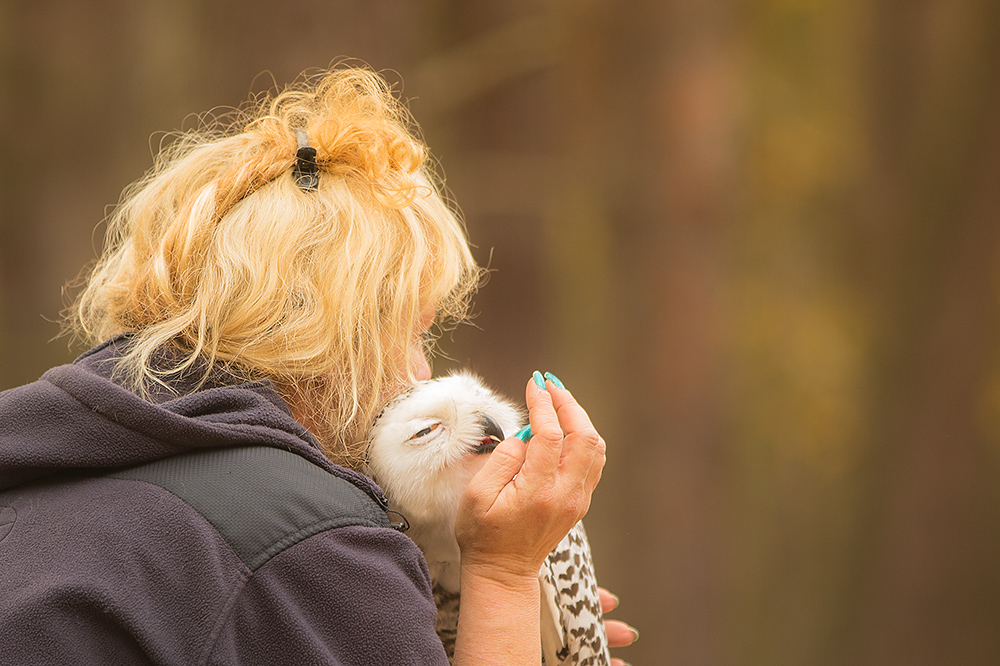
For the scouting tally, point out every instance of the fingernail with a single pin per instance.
(524, 434)
(555, 380)
(636, 632)
(539, 382)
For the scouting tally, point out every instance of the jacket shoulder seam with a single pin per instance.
(260, 499)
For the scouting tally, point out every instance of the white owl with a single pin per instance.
(425, 447)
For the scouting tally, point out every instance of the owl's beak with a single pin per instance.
(492, 434)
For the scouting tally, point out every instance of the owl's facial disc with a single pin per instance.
(492, 434)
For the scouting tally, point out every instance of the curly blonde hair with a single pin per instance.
(220, 254)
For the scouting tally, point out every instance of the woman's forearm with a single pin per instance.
(498, 620)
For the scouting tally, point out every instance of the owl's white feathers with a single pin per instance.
(424, 449)
(423, 455)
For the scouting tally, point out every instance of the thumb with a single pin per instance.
(500, 469)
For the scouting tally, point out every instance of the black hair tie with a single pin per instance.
(306, 169)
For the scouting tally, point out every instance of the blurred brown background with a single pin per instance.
(758, 239)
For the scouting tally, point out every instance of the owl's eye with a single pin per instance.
(426, 431)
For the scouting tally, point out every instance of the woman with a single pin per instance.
(185, 492)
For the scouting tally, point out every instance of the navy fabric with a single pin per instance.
(103, 570)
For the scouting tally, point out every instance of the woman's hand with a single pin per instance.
(513, 513)
(529, 494)
(619, 633)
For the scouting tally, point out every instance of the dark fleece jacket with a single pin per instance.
(100, 565)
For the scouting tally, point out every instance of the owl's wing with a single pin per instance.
(554, 638)
(572, 625)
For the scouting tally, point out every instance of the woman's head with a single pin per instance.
(220, 253)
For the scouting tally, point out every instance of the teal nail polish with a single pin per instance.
(524, 434)
(539, 382)
(555, 380)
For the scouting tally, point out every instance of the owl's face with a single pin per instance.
(431, 440)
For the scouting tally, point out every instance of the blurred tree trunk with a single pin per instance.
(929, 556)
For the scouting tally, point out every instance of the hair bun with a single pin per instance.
(357, 127)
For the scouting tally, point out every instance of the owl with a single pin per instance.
(424, 448)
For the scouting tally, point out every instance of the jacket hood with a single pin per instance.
(77, 418)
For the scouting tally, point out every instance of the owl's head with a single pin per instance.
(430, 441)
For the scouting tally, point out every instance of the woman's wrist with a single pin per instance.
(510, 570)
(503, 579)
(499, 617)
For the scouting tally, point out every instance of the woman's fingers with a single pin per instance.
(541, 462)
(572, 417)
(565, 455)
(501, 467)
(583, 450)
(561, 463)
(609, 601)
(619, 633)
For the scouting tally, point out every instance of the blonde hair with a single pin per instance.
(219, 253)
